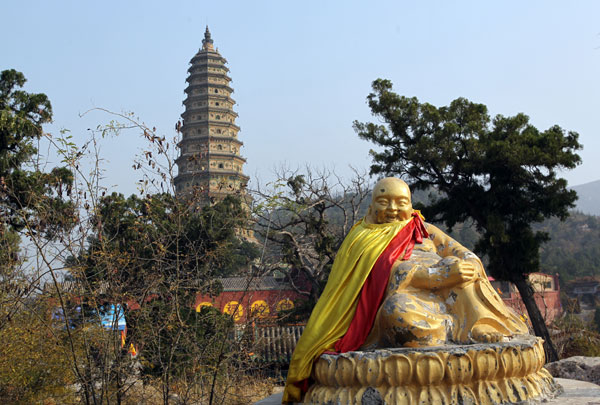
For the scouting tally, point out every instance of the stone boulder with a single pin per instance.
(576, 368)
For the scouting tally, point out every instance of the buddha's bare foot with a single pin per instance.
(486, 334)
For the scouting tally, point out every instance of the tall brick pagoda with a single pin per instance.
(209, 165)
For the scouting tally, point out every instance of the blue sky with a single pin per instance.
(302, 70)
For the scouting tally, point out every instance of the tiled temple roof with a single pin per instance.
(252, 284)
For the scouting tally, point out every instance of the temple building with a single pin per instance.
(209, 164)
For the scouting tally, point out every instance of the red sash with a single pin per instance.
(373, 290)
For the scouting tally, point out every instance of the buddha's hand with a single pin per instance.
(461, 272)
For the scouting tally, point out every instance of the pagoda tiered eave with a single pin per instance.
(209, 164)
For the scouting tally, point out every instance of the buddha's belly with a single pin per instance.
(402, 269)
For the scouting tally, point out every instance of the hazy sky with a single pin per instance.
(302, 70)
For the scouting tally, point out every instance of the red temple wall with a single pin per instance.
(260, 304)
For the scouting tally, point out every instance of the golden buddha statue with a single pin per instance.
(441, 294)
(399, 282)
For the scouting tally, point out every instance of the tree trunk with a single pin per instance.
(537, 320)
(165, 388)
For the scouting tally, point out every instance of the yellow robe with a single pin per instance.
(336, 306)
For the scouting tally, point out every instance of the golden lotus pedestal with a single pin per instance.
(493, 373)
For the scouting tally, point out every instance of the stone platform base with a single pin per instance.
(495, 373)
(575, 393)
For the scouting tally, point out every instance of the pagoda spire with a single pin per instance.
(207, 42)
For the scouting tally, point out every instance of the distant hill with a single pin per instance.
(589, 198)
(574, 248)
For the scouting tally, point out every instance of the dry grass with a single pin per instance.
(241, 391)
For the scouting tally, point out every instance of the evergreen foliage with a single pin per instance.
(158, 238)
(500, 173)
(33, 203)
(28, 196)
(157, 253)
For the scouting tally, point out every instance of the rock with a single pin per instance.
(576, 368)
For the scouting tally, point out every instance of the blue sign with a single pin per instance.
(112, 317)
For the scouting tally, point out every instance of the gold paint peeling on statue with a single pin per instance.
(441, 335)
(440, 294)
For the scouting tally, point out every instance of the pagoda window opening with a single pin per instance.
(216, 91)
(220, 165)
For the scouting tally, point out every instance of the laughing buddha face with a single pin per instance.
(390, 202)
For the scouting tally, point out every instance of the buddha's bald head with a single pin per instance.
(390, 202)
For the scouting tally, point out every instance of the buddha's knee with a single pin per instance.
(405, 320)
